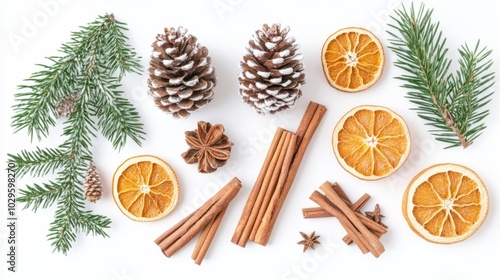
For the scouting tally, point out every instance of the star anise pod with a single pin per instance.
(309, 240)
(375, 215)
(208, 146)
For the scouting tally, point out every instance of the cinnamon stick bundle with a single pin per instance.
(360, 229)
(275, 179)
(206, 219)
(318, 212)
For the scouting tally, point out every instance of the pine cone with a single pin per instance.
(208, 146)
(66, 106)
(272, 74)
(181, 78)
(92, 185)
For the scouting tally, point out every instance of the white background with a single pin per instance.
(225, 27)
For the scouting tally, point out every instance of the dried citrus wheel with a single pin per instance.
(145, 188)
(353, 59)
(445, 203)
(371, 142)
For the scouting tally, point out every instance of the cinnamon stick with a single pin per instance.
(306, 121)
(348, 240)
(307, 127)
(318, 212)
(357, 237)
(360, 202)
(173, 229)
(372, 241)
(373, 226)
(183, 232)
(206, 237)
(315, 212)
(201, 239)
(277, 178)
(340, 191)
(263, 229)
(240, 236)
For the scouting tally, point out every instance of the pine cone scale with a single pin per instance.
(202, 103)
(185, 104)
(183, 91)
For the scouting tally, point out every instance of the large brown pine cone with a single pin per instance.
(181, 78)
(271, 72)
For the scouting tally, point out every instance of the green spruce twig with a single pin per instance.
(91, 67)
(452, 104)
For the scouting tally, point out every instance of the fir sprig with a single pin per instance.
(453, 104)
(91, 66)
(40, 162)
(37, 196)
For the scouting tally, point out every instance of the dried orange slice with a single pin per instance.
(371, 142)
(445, 203)
(145, 188)
(353, 59)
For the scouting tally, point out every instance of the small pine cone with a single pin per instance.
(272, 73)
(181, 78)
(66, 106)
(92, 185)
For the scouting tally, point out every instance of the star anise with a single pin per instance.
(208, 146)
(309, 240)
(375, 215)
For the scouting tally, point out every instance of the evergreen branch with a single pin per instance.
(118, 119)
(70, 209)
(469, 83)
(70, 216)
(75, 151)
(121, 56)
(86, 70)
(40, 196)
(61, 232)
(93, 224)
(79, 128)
(451, 104)
(39, 162)
(70, 220)
(35, 103)
(70, 206)
(62, 229)
(34, 108)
